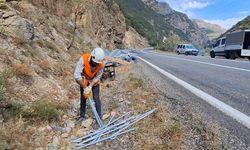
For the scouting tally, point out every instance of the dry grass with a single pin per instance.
(45, 65)
(22, 70)
(52, 46)
(158, 131)
(16, 135)
(19, 40)
(40, 43)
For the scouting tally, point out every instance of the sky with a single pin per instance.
(225, 13)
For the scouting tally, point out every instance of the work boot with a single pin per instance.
(80, 120)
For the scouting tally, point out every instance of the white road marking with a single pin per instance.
(228, 110)
(241, 60)
(211, 64)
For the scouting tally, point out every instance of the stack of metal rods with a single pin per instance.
(113, 129)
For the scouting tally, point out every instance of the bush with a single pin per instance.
(46, 110)
(137, 82)
(3, 146)
(15, 109)
(3, 83)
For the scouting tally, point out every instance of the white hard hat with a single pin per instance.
(97, 55)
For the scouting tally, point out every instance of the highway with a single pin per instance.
(227, 81)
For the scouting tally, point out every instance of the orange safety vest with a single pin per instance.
(87, 72)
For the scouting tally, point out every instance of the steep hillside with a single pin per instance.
(242, 25)
(147, 22)
(212, 30)
(179, 21)
(40, 43)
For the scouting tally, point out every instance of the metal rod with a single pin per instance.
(111, 120)
(111, 130)
(104, 139)
(136, 118)
(103, 129)
(108, 131)
(97, 117)
(126, 114)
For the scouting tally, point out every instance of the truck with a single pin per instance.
(233, 45)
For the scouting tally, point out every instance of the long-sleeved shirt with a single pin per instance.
(79, 69)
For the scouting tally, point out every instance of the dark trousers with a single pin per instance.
(96, 91)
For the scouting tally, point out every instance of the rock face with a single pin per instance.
(16, 26)
(133, 39)
(212, 30)
(179, 21)
(101, 20)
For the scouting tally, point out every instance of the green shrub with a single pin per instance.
(137, 82)
(3, 82)
(46, 110)
(2, 146)
(15, 109)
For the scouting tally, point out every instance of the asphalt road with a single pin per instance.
(226, 80)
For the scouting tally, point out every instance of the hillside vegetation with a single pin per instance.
(148, 23)
(242, 25)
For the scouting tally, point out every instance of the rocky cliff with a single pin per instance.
(179, 21)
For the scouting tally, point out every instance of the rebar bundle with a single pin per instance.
(113, 129)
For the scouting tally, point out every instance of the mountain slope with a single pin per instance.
(212, 30)
(147, 22)
(241, 25)
(179, 21)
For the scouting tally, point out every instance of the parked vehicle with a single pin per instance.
(187, 49)
(234, 45)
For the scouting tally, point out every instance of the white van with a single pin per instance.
(187, 49)
(236, 44)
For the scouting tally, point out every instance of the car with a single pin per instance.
(187, 49)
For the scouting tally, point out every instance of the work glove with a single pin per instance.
(87, 92)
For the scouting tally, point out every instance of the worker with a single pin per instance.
(88, 72)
